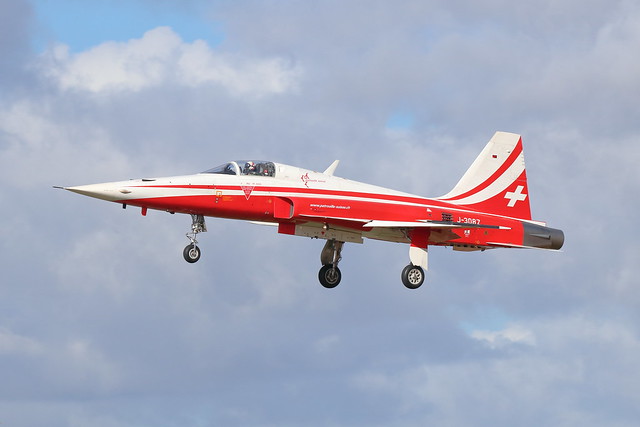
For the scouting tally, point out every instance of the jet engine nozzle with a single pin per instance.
(539, 236)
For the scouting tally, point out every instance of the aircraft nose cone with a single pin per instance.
(100, 191)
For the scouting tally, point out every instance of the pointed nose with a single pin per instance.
(108, 191)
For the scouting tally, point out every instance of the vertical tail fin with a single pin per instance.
(496, 181)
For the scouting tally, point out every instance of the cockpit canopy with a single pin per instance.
(245, 167)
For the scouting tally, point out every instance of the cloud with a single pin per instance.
(11, 343)
(17, 26)
(74, 365)
(36, 137)
(84, 366)
(552, 380)
(103, 323)
(160, 57)
(511, 335)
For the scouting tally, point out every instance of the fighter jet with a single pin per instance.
(488, 208)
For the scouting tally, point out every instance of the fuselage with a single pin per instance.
(314, 204)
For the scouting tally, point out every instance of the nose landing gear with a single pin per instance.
(330, 275)
(192, 252)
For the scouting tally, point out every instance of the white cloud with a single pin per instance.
(327, 344)
(513, 334)
(85, 366)
(114, 308)
(86, 269)
(160, 57)
(40, 148)
(199, 65)
(553, 380)
(54, 364)
(12, 343)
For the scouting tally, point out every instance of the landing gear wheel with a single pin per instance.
(412, 276)
(191, 253)
(329, 276)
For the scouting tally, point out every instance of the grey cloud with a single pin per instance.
(16, 21)
(104, 324)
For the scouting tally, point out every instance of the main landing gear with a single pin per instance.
(412, 276)
(330, 256)
(192, 252)
(329, 275)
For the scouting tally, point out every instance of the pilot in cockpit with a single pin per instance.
(249, 168)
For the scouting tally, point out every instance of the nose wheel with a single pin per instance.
(192, 252)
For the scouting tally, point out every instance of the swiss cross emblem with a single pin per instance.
(247, 190)
(515, 196)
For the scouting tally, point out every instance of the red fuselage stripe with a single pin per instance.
(309, 192)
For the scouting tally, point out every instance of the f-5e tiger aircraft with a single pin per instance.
(488, 208)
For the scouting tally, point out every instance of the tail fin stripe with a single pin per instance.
(496, 181)
(496, 188)
(508, 163)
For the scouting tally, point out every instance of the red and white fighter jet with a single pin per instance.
(488, 208)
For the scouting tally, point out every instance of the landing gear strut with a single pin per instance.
(330, 256)
(413, 274)
(192, 252)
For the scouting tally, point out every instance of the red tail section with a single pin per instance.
(496, 181)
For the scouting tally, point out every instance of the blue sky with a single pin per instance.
(102, 323)
(82, 24)
(400, 120)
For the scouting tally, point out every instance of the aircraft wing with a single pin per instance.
(336, 218)
(512, 245)
(441, 231)
(428, 224)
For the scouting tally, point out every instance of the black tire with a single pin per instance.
(412, 276)
(329, 276)
(191, 253)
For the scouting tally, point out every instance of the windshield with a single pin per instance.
(245, 167)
